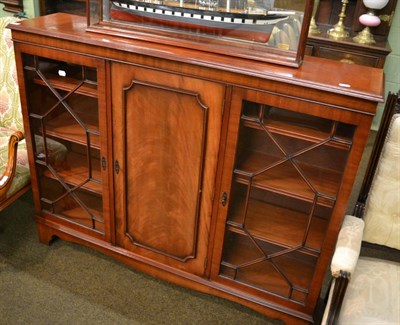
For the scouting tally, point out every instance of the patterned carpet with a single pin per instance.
(65, 283)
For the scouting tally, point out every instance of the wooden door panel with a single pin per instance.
(166, 131)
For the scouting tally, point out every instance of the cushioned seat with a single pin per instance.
(371, 296)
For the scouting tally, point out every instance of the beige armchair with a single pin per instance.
(367, 290)
(14, 168)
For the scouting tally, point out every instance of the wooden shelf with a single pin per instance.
(274, 227)
(67, 207)
(285, 179)
(302, 126)
(68, 84)
(80, 216)
(296, 131)
(65, 127)
(74, 171)
(239, 264)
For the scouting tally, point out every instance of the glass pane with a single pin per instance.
(64, 121)
(256, 151)
(287, 174)
(72, 204)
(289, 221)
(267, 30)
(267, 266)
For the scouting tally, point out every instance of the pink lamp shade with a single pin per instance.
(369, 20)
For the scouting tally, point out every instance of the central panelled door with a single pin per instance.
(166, 132)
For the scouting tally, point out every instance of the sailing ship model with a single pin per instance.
(250, 22)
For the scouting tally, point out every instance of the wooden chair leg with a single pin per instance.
(339, 291)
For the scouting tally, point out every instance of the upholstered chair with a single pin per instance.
(14, 168)
(367, 290)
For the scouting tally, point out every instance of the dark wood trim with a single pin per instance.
(339, 291)
(392, 107)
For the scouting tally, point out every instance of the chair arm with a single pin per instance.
(348, 246)
(344, 262)
(9, 172)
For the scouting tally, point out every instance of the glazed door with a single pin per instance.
(282, 195)
(65, 114)
(166, 132)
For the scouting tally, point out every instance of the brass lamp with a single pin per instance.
(369, 20)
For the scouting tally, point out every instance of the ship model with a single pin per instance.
(253, 23)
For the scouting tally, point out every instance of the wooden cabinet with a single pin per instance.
(346, 49)
(220, 174)
(76, 7)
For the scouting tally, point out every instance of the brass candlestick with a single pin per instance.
(313, 29)
(338, 31)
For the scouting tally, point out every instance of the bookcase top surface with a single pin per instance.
(322, 74)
